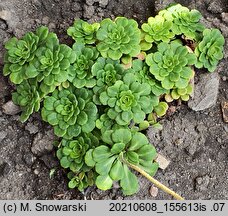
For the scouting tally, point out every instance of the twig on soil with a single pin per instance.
(153, 180)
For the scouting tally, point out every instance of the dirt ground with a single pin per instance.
(194, 138)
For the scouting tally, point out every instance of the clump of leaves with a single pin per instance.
(111, 85)
(71, 111)
(210, 50)
(106, 73)
(80, 72)
(71, 152)
(110, 160)
(81, 180)
(53, 62)
(161, 109)
(184, 21)
(83, 32)
(28, 98)
(19, 58)
(157, 29)
(182, 93)
(143, 75)
(128, 99)
(170, 65)
(119, 37)
(105, 123)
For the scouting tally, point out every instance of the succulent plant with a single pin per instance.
(54, 60)
(110, 85)
(71, 152)
(80, 72)
(118, 37)
(161, 109)
(83, 32)
(170, 65)
(157, 29)
(182, 93)
(106, 72)
(124, 146)
(70, 111)
(128, 99)
(185, 21)
(27, 97)
(81, 180)
(210, 50)
(19, 58)
(143, 75)
(105, 123)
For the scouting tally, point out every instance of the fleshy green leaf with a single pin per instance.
(104, 166)
(121, 136)
(104, 182)
(129, 182)
(117, 172)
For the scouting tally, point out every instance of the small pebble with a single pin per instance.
(225, 17)
(10, 108)
(36, 171)
(45, 20)
(153, 191)
(224, 78)
(5, 15)
(162, 161)
(33, 129)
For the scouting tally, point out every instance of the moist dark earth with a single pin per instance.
(194, 137)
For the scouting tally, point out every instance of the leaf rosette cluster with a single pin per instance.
(83, 32)
(106, 72)
(19, 58)
(53, 63)
(210, 50)
(157, 29)
(143, 75)
(28, 98)
(81, 180)
(108, 160)
(128, 100)
(185, 21)
(70, 111)
(170, 65)
(110, 85)
(119, 37)
(80, 72)
(71, 152)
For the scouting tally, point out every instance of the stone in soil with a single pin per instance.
(162, 161)
(32, 127)
(5, 15)
(225, 17)
(43, 143)
(153, 191)
(10, 108)
(206, 92)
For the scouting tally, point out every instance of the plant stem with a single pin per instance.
(153, 180)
